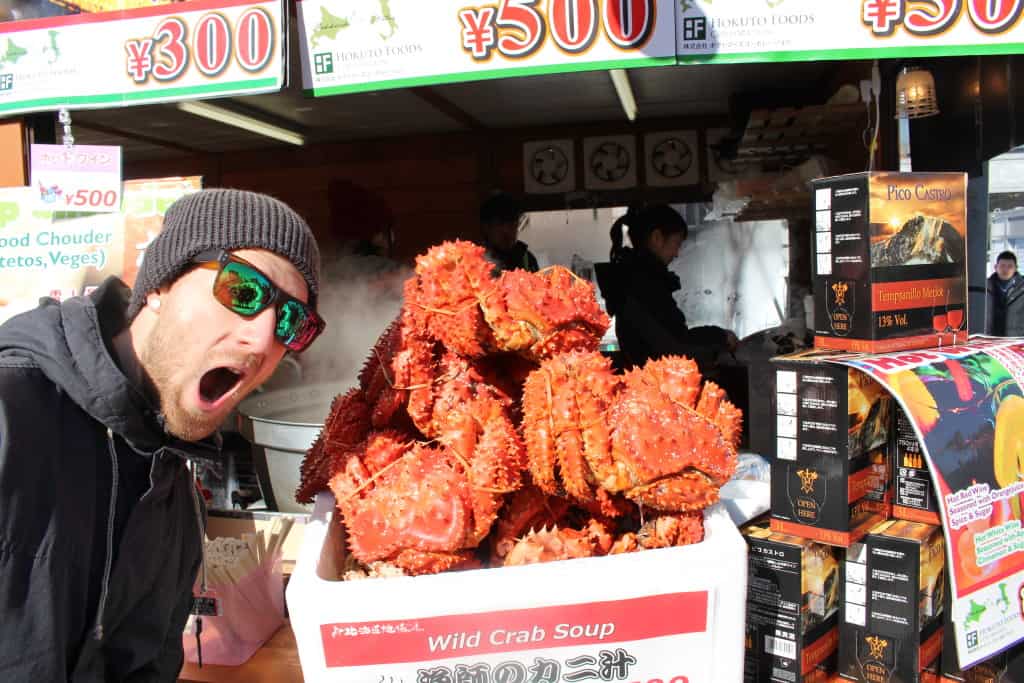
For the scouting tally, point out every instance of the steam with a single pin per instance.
(359, 297)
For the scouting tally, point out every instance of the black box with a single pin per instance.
(792, 607)
(830, 475)
(890, 271)
(892, 604)
(914, 497)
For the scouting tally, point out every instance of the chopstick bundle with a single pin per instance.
(229, 560)
(243, 575)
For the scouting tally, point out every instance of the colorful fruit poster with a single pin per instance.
(966, 404)
(61, 254)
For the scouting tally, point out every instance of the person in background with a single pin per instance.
(501, 217)
(103, 398)
(639, 288)
(1004, 313)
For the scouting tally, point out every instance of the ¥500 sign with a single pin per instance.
(374, 44)
(933, 17)
(169, 51)
(520, 28)
(83, 178)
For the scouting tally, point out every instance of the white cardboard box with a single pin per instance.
(674, 615)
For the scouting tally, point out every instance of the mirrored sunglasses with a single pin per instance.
(243, 289)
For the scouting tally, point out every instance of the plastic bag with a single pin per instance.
(251, 611)
(748, 494)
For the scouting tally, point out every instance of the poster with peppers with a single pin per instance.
(967, 406)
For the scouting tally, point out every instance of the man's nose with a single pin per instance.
(256, 334)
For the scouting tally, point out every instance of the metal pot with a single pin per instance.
(281, 425)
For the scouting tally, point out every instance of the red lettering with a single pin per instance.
(994, 16)
(629, 23)
(885, 364)
(254, 38)
(173, 54)
(935, 19)
(573, 24)
(212, 44)
(524, 28)
(478, 37)
(140, 61)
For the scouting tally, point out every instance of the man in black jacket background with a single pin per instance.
(1004, 312)
(102, 400)
(501, 220)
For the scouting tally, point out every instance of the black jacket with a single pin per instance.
(519, 256)
(1004, 313)
(100, 525)
(639, 291)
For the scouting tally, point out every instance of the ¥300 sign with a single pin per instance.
(167, 52)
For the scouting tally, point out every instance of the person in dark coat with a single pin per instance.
(639, 288)
(501, 219)
(103, 398)
(1004, 312)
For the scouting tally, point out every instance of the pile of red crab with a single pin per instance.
(487, 430)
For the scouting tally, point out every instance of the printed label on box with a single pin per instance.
(896, 273)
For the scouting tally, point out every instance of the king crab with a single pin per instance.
(426, 457)
(421, 508)
(655, 436)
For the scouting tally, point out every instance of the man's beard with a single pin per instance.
(159, 363)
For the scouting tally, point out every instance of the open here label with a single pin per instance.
(443, 637)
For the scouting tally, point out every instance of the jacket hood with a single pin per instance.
(66, 342)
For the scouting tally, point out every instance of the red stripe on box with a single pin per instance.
(908, 294)
(915, 515)
(925, 341)
(414, 640)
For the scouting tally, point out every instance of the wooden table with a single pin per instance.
(276, 662)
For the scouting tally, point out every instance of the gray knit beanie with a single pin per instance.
(225, 219)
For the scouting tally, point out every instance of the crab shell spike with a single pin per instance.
(371, 376)
(654, 436)
(541, 314)
(496, 466)
(528, 508)
(347, 423)
(681, 492)
(565, 406)
(442, 299)
(715, 406)
(672, 530)
(416, 562)
(559, 544)
(400, 509)
(675, 376)
(538, 429)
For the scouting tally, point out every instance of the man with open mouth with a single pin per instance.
(103, 398)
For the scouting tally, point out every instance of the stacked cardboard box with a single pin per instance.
(890, 261)
(830, 475)
(792, 607)
(892, 603)
(889, 274)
